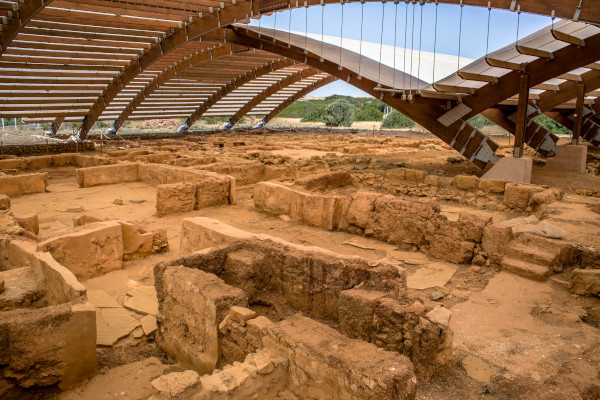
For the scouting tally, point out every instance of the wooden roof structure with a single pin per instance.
(113, 60)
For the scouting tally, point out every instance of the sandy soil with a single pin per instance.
(512, 336)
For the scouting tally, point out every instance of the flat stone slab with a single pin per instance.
(410, 257)
(142, 304)
(435, 274)
(100, 299)
(149, 324)
(149, 291)
(478, 369)
(113, 324)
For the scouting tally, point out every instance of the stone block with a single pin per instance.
(29, 223)
(414, 175)
(175, 198)
(492, 185)
(518, 196)
(193, 303)
(585, 282)
(352, 369)
(495, 238)
(325, 181)
(4, 202)
(17, 185)
(56, 345)
(94, 250)
(107, 174)
(466, 182)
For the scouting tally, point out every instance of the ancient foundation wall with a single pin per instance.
(51, 345)
(50, 148)
(174, 190)
(320, 283)
(16, 185)
(54, 345)
(193, 303)
(53, 161)
(94, 250)
(248, 172)
(406, 223)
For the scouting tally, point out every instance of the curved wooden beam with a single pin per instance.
(461, 136)
(296, 96)
(269, 91)
(26, 11)
(181, 65)
(230, 87)
(568, 9)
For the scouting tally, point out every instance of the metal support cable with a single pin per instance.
(322, 31)
(381, 41)
(405, 41)
(459, 34)
(362, 14)
(395, 37)
(412, 48)
(341, 34)
(435, 39)
(420, 42)
(487, 43)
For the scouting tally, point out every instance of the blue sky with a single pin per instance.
(473, 30)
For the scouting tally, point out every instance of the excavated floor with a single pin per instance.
(513, 337)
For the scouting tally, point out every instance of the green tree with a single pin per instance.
(340, 113)
(479, 121)
(314, 115)
(551, 125)
(396, 119)
(368, 113)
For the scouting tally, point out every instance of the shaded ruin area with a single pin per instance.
(295, 266)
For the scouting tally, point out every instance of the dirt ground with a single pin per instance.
(514, 338)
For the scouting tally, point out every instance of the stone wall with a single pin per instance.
(54, 344)
(350, 369)
(211, 189)
(193, 303)
(16, 185)
(50, 148)
(407, 223)
(248, 172)
(53, 161)
(94, 250)
(319, 283)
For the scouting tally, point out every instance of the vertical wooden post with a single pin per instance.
(577, 122)
(521, 120)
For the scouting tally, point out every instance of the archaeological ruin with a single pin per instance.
(178, 220)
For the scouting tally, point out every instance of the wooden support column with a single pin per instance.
(521, 115)
(56, 125)
(578, 114)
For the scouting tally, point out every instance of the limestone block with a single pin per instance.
(466, 182)
(519, 195)
(326, 180)
(55, 345)
(16, 185)
(585, 282)
(4, 202)
(193, 303)
(396, 174)
(215, 190)
(29, 223)
(547, 196)
(176, 384)
(318, 353)
(107, 174)
(361, 208)
(432, 180)
(414, 175)
(492, 185)
(175, 198)
(495, 238)
(199, 233)
(88, 252)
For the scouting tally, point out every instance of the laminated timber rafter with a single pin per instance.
(272, 89)
(230, 87)
(466, 139)
(296, 96)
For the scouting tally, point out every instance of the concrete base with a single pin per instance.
(571, 158)
(511, 170)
